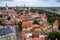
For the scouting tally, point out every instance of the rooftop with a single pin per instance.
(5, 31)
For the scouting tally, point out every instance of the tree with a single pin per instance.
(52, 16)
(20, 25)
(59, 27)
(33, 10)
(0, 22)
(35, 22)
(53, 35)
(0, 15)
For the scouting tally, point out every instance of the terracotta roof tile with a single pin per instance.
(26, 24)
(3, 11)
(35, 38)
(56, 22)
(35, 25)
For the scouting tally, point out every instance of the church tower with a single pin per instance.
(6, 7)
(44, 17)
(55, 25)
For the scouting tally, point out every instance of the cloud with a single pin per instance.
(35, 3)
(6, 0)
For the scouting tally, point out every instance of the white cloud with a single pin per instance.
(39, 3)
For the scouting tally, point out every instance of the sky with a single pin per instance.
(31, 3)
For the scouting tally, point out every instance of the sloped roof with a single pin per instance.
(35, 25)
(56, 22)
(26, 24)
(3, 11)
(5, 31)
(11, 11)
(36, 38)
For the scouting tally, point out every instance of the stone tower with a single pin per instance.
(6, 7)
(55, 25)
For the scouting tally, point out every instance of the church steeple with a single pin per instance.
(55, 25)
(24, 9)
(6, 7)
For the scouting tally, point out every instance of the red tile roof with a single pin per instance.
(56, 22)
(35, 25)
(36, 38)
(11, 11)
(27, 24)
(3, 11)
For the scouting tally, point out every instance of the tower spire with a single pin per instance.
(6, 7)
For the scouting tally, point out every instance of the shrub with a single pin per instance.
(53, 35)
(35, 22)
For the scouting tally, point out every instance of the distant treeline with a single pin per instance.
(37, 7)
